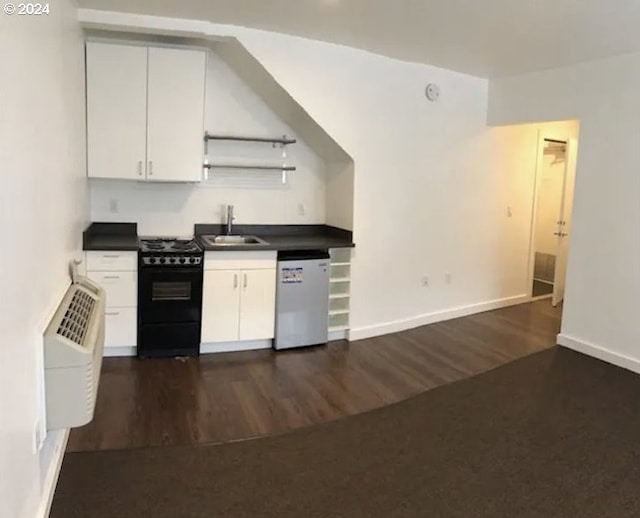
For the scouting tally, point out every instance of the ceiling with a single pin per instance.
(488, 38)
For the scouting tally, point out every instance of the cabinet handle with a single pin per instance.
(110, 256)
(112, 313)
(111, 277)
(235, 280)
(140, 168)
(150, 167)
(245, 281)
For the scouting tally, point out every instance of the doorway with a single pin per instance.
(552, 209)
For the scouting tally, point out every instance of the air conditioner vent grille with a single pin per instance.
(75, 321)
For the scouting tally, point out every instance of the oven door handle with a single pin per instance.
(170, 271)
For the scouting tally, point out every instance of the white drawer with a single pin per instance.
(121, 327)
(121, 287)
(258, 260)
(112, 261)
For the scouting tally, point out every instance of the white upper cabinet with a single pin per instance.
(116, 111)
(145, 112)
(175, 117)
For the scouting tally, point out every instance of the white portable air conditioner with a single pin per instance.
(73, 345)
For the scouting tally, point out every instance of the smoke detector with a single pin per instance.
(432, 91)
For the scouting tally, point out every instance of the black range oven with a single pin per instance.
(169, 297)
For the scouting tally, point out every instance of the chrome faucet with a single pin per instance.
(230, 219)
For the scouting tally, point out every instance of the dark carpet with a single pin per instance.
(552, 434)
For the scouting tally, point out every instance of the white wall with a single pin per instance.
(603, 279)
(434, 186)
(258, 196)
(43, 211)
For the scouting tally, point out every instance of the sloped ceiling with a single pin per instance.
(488, 38)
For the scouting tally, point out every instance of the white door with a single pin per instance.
(258, 304)
(564, 222)
(220, 306)
(116, 111)
(175, 119)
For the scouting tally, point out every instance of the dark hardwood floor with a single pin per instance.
(231, 396)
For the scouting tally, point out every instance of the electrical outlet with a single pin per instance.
(447, 278)
(302, 210)
(509, 212)
(425, 281)
(113, 205)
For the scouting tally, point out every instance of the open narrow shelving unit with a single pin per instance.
(275, 141)
(339, 293)
(284, 140)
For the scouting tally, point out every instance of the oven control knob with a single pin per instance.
(175, 260)
(163, 260)
(153, 260)
(183, 260)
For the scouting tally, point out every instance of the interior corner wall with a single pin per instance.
(600, 315)
(43, 212)
(339, 195)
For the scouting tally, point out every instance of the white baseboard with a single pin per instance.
(50, 479)
(431, 318)
(227, 347)
(607, 355)
(119, 351)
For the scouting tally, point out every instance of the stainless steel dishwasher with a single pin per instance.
(302, 299)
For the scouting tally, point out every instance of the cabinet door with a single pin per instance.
(175, 120)
(220, 306)
(116, 111)
(121, 327)
(121, 287)
(257, 304)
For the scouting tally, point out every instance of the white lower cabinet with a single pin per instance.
(117, 273)
(239, 301)
(121, 287)
(220, 306)
(257, 305)
(120, 327)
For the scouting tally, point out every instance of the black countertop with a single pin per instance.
(280, 237)
(124, 236)
(110, 236)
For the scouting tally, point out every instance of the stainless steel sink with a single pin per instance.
(233, 240)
